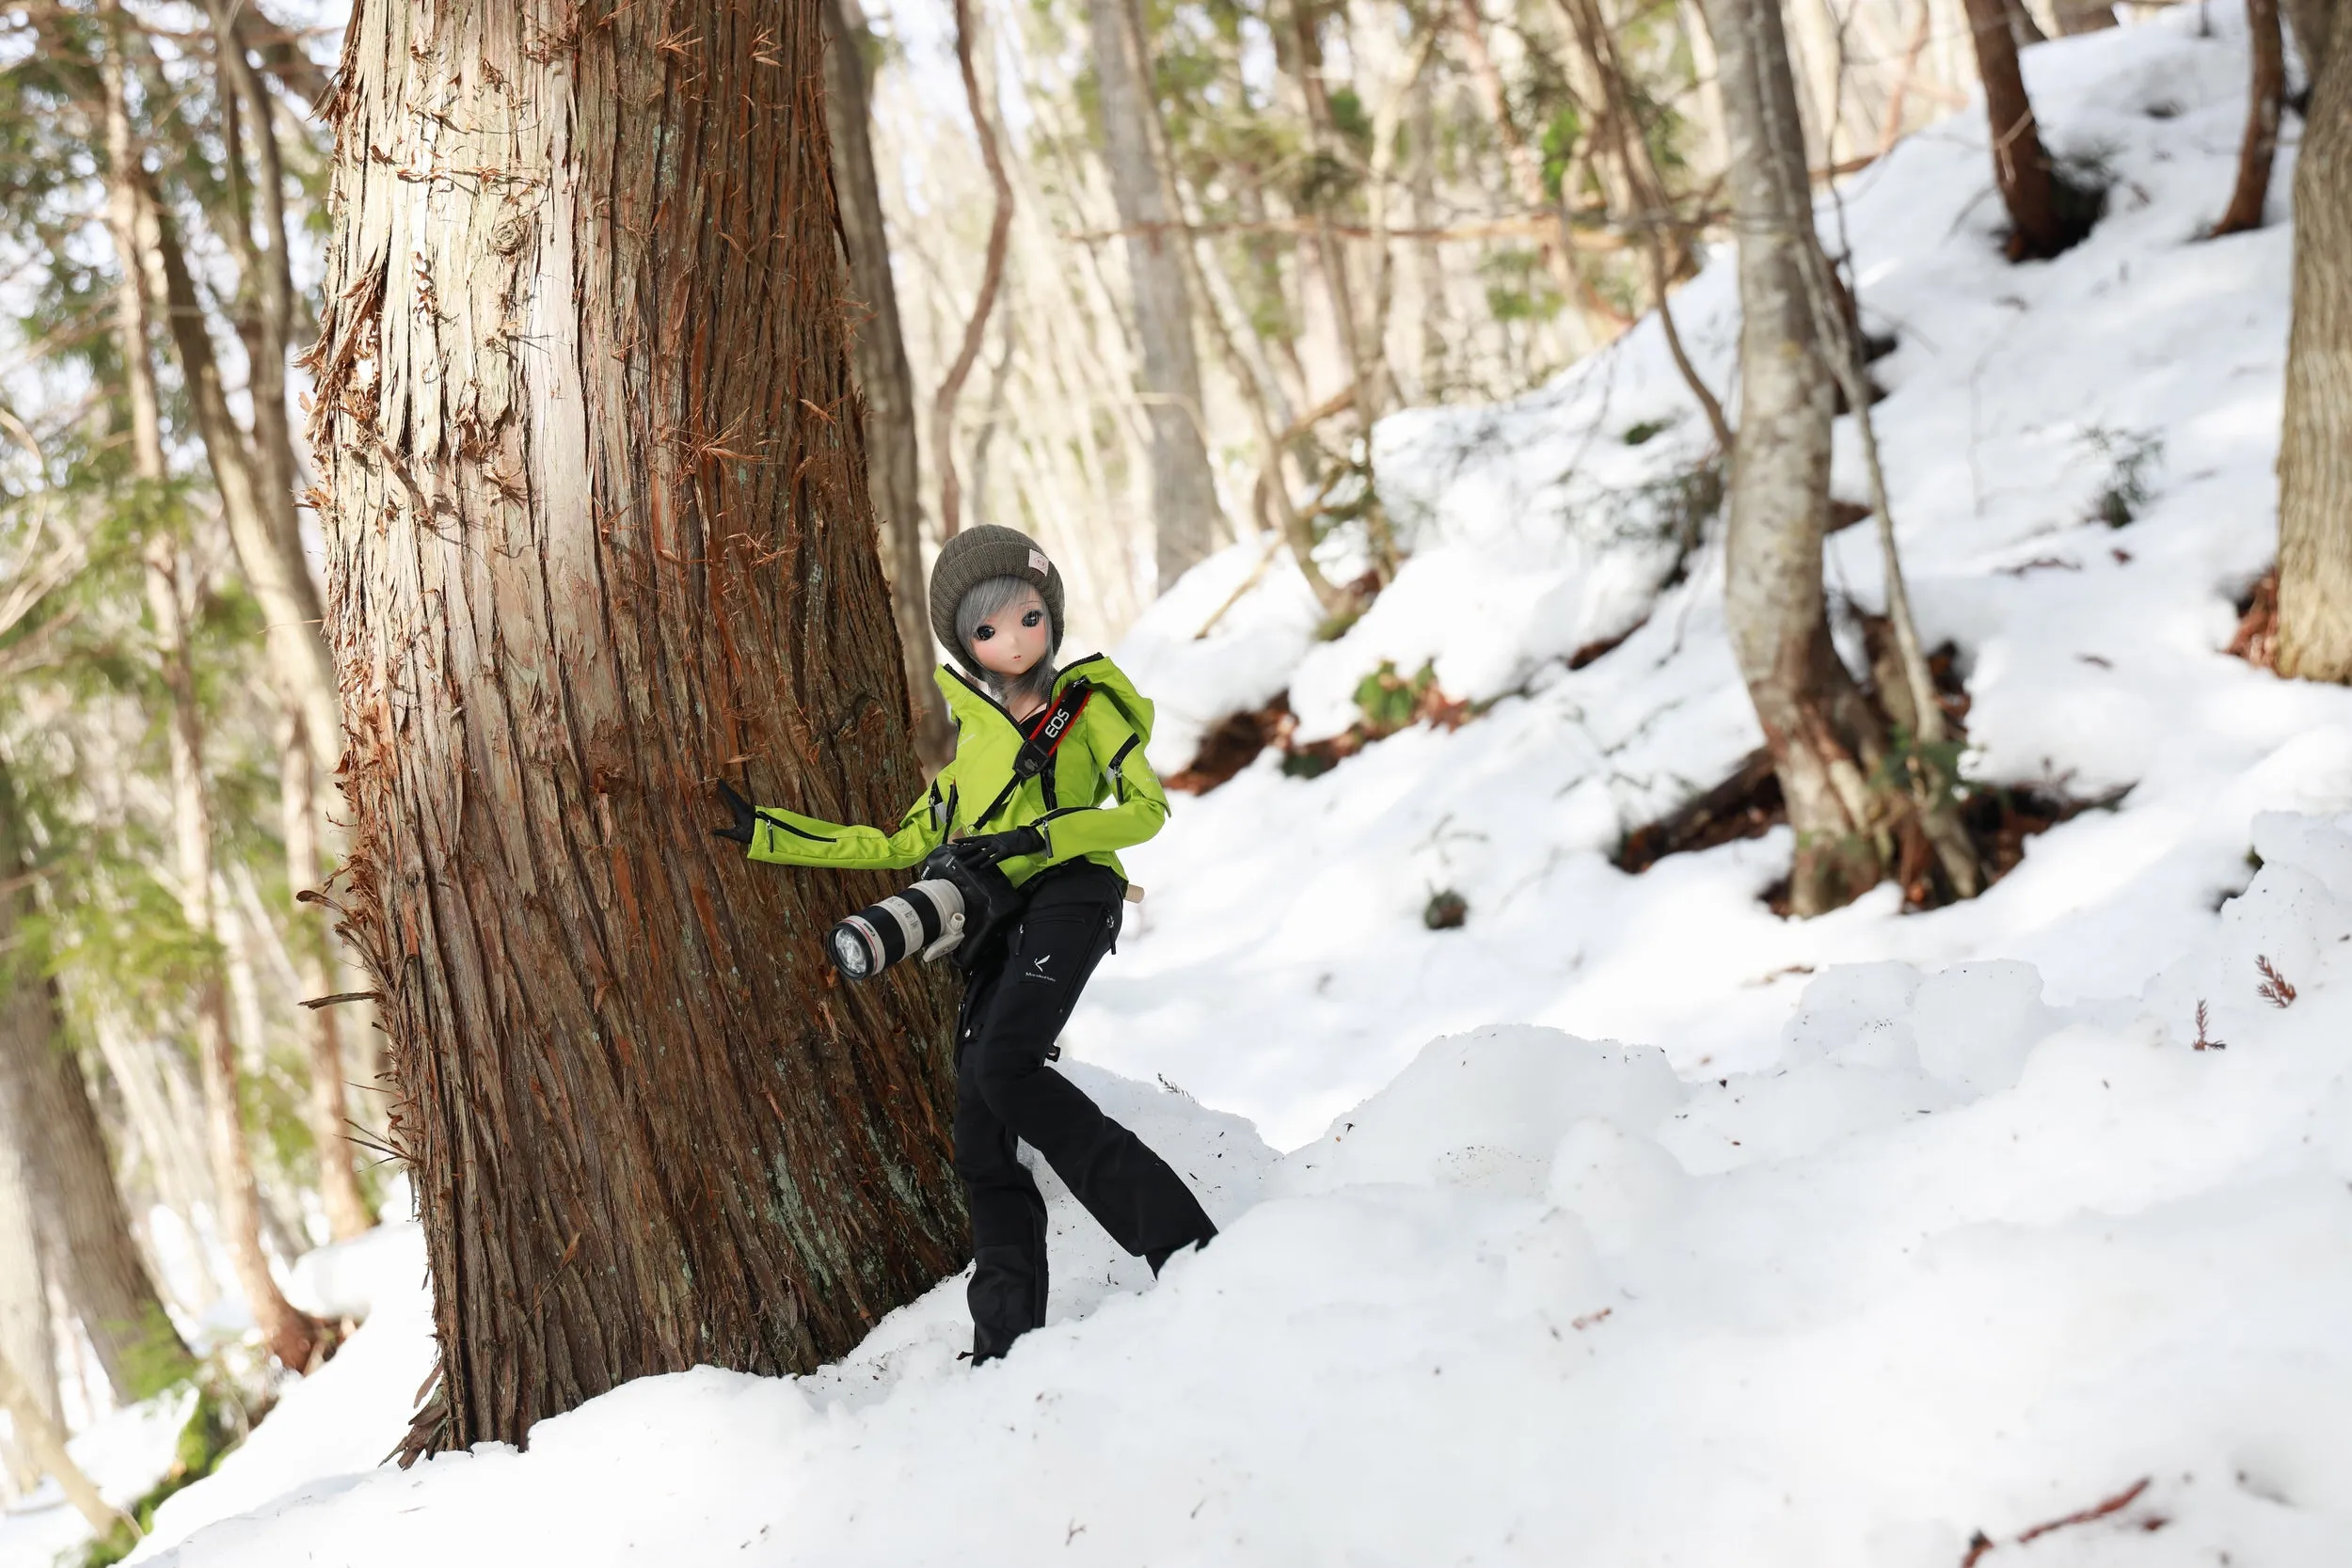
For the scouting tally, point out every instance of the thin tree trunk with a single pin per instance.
(878, 353)
(45, 1110)
(26, 1337)
(290, 1336)
(2315, 448)
(2264, 97)
(41, 1442)
(2029, 188)
(648, 1128)
(1185, 519)
(348, 1211)
(132, 327)
(992, 278)
(1816, 722)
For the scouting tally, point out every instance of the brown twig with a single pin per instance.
(2097, 1511)
(2202, 1043)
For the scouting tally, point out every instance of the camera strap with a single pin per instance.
(1039, 743)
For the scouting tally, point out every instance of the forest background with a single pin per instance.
(1136, 278)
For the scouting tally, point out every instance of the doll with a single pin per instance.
(1054, 833)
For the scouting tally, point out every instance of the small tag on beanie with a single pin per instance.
(1038, 565)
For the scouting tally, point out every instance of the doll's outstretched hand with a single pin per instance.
(745, 817)
(988, 848)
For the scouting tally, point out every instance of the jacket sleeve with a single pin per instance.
(1137, 808)
(788, 838)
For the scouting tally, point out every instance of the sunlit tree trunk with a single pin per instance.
(1184, 517)
(2315, 450)
(1816, 722)
(290, 1336)
(878, 351)
(598, 530)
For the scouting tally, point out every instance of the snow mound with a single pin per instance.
(1541, 1301)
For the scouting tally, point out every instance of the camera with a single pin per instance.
(948, 910)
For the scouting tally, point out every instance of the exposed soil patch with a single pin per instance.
(1400, 702)
(2256, 640)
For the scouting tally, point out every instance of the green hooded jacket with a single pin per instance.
(1096, 796)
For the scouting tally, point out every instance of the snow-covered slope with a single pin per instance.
(1962, 1233)
(1281, 969)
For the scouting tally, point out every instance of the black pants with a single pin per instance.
(1018, 999)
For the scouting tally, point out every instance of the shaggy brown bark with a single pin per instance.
(2315, 449)
(597, 528)
(1823, 737)
(2039, 226)
(2265, 94)
(75, 1202)
(878, 350)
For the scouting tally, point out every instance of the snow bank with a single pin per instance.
(1957, 1261)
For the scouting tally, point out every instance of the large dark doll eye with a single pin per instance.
(982, 633)
(1032, 617)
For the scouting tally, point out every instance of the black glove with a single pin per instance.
(742, 829)
(988, 848)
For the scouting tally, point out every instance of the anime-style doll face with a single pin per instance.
(1011, 641)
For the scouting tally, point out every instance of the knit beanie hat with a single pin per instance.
(974, 556)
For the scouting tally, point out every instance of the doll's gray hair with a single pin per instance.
(985, 600)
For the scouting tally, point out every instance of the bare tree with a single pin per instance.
(26, 1335)
(878, 350)
(1828, 742)
(43, 1445)
(45, 1110)
(290, 1336)
(2315, 448)
(253, 474)
(597, 526)
(1184, 516)
(2265, 95)
(2038, 203)
(991, 277)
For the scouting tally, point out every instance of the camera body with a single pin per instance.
(950, 909)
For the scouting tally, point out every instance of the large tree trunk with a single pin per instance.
(1818, 726)
(878, 350)
(1184, 517)
(2039, 224)
(45, 1109)
(290, 1336)
(2315, 448)
(599, 530)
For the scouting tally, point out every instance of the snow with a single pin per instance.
(1630, 1223)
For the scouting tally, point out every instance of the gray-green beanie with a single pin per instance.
(974, 556)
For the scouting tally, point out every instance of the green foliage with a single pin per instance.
(1389, 701)
(1558, 144)
(1640, 431)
